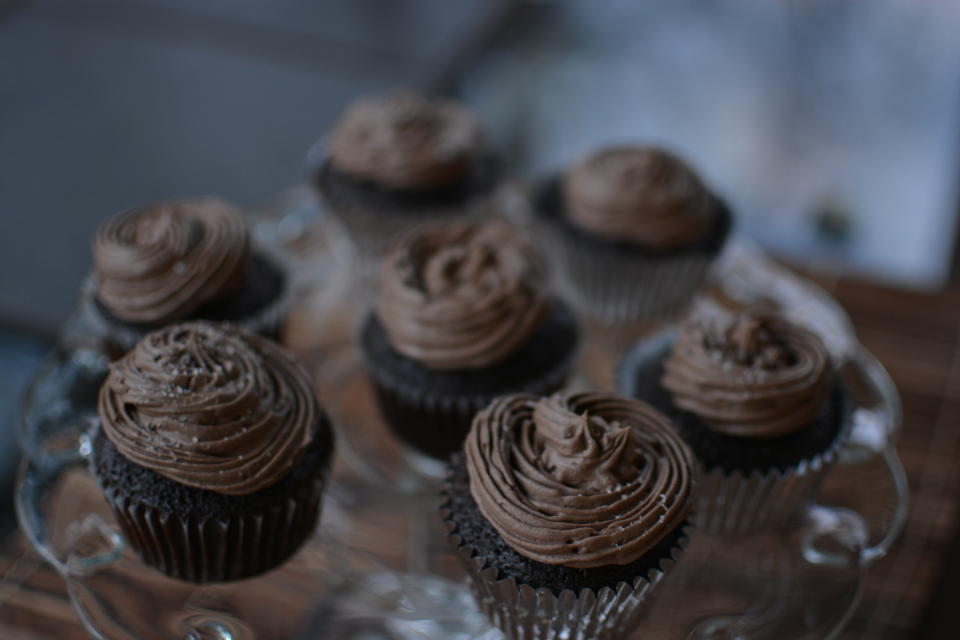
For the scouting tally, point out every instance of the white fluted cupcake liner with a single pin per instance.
(524, 613)
(207, 549)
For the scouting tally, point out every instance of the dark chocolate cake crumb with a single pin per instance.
(431, 409)
(475, 531)
(122, 478)
(265, 282)
(729, 453)
(548, 203)
(345, 191)
(549, 346)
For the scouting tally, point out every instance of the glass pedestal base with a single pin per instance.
(379, 565)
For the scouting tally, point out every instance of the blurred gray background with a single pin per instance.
(830, 125)
(111, 104)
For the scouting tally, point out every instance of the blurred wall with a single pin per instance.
(111, 104)
(831, 126)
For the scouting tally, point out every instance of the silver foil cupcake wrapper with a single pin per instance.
(735, 502)
(202, 550)
(616, 288)
(524, 613)
(732, 502)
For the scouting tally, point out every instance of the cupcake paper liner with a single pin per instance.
(201, 550)
(616, 283)
(735, 502)
(371, 225)
(371, 229)
(436, 424)
(617, 288)
(522, 612)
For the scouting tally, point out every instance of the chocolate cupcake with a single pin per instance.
(189, 259)
(212, 451)
(566, 511)
(462, 315)
(395, 161)
(758, 400)
(633, 231)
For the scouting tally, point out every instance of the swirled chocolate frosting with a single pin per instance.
(406, 141)
(580, 480)
(209, 406)
(161, 263)
(462, 294)
(752, 375)
(643, 195)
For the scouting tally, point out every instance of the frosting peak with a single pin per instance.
(161, 263)
(406, 141)
(584, 449)
(461, 294)
(749, 374)
(209, 406)
(638, 194)
(580, 480)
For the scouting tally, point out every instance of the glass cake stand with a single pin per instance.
(379, 566)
